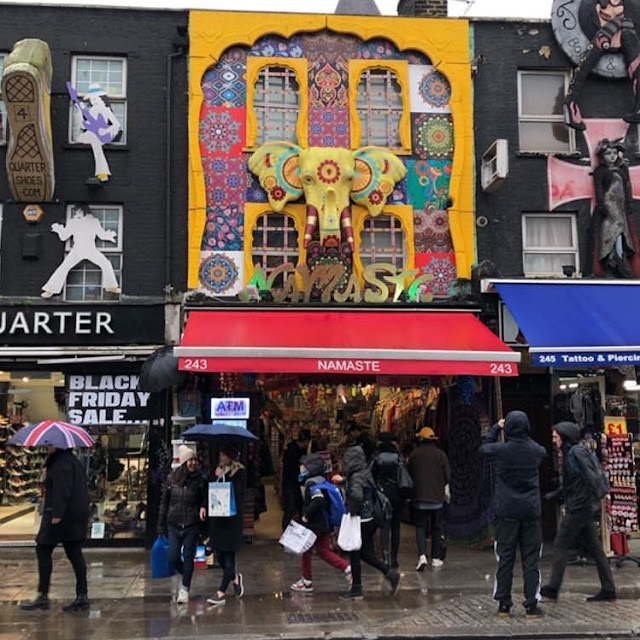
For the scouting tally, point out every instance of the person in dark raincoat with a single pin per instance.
(65, 518)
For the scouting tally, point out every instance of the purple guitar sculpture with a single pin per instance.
(98, 125)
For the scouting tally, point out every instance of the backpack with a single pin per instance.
(602, 486)
(382, 508)
(336, 507)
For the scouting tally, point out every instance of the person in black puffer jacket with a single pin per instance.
(360, 488)
(315, 517)
(516, 464)
(581, 508)
(385, 466)
(182, 510)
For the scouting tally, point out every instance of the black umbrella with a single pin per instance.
(160, 371)
(215, 431)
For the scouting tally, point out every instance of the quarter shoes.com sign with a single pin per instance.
(106, 399)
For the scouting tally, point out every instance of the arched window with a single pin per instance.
(380, 108)
(274, 241)
(276, 104)
(383, 240)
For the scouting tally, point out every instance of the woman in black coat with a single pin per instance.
(226, 532)
(65, 518)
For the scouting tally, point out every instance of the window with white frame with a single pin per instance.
(274, 241)
(111, 74)
(549, 243)
(541, 122)
(3, 108)
(383, 240)
(84, 282)
(380, 107)
(276, 104)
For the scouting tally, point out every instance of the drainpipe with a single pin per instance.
(180, 45)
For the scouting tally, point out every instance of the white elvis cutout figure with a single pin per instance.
(84, 228)
(99, 125)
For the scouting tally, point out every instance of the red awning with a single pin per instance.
(345, 341)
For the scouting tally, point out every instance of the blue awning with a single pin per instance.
(577, 323)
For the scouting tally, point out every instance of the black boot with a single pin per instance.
(41, 602)
(81, 603)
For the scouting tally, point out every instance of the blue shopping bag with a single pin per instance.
(160, 558)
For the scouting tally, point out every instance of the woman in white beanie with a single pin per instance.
(182, 509)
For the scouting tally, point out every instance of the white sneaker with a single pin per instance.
(302, 586)
(183, 596)
(436, 562)
(422, 563)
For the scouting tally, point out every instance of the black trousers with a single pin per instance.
(291, 505)
(579, 528)
(367, 553)
(45, 566)
(392, 530)
(527, 535)
(227, 561)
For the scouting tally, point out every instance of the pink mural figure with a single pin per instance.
(613, 239)
(611, 25)
(99, 125)
(84, 228)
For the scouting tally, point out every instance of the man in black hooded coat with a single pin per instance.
(516, 465)
(582, 506)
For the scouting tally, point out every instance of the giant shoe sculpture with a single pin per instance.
(26, 91)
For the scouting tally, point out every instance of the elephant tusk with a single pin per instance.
(310, 227)
(347, 227)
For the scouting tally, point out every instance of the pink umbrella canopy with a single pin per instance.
(52, 433)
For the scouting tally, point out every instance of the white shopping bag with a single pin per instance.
(297, 539)
(222, 501)
(349, 536)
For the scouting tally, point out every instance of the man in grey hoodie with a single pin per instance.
(578, 492)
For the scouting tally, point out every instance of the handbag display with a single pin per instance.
(350, 536)
(222, 500)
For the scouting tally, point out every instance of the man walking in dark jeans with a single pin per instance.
(581, 507)
(516, 463)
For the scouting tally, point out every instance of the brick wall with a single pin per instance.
(426, 8)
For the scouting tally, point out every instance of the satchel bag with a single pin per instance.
(350, 536)
(222, 500)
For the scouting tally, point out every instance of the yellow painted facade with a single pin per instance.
(444, 41)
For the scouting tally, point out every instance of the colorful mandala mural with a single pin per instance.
(219, 273)
(431, 231)
(442, 266)
(379, 49)
(220, 132)
(329, 47)
(277, 47)
(226, 178)
(432, 135)
(435, 89)
(225, 84)
(224, 228)
(328, 84)
(255, 193)
(329, 127)
(417, 57)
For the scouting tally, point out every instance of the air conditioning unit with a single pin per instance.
(495, 165)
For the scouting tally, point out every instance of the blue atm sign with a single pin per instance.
(232, 408)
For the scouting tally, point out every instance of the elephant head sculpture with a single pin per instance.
(330, 178)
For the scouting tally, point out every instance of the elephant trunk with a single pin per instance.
(310, 227)
(347, 227)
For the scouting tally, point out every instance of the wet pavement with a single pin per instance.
(451, 602)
